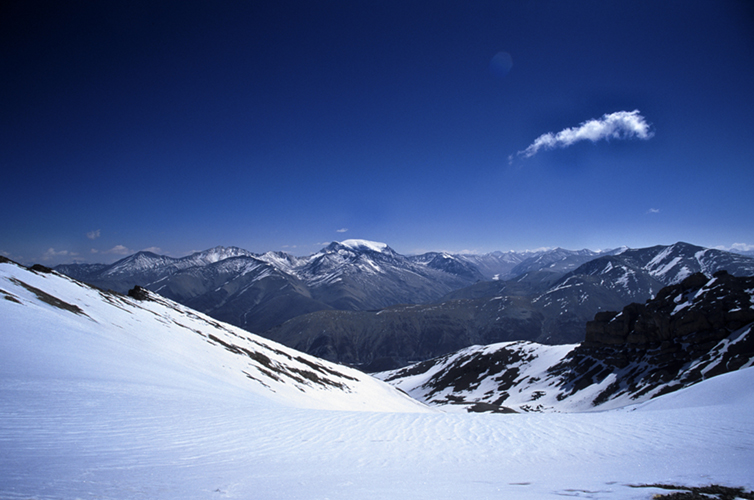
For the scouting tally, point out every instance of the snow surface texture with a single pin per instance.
(105, 397)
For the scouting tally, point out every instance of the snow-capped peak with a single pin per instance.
(374, 246)
(216, 254)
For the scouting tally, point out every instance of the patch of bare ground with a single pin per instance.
(710, 492)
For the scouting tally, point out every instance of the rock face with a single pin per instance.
(698, 310)
(696, 329)
(139, 293)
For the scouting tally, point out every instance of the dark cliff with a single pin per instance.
(691, 331)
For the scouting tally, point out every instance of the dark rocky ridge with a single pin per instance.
(711, 310)
(696, 329)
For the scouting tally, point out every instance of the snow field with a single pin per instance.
(107, 440)
(129, 402)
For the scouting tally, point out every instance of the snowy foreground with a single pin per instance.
(125, 402)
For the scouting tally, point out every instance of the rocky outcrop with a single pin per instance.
(139, 293)
(691, 331)
(40, 269)
(694, 330)
(698, 309)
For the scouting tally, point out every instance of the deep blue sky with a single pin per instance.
(178, 126)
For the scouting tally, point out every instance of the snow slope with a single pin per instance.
(120, 401)
(56, 328)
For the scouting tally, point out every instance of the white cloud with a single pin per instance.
(51, 253)
(341, 230)
(736, 247)
(93, 235)
(618, 125)
(653, 211)
(744, 247)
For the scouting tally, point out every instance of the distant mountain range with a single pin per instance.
(549, 303)
(360, 302)
(691, 331)
(259, 291)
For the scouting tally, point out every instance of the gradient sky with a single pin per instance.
(284, 125)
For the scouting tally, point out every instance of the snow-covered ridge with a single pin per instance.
(524, 376)
(213, 255)
(50, 321)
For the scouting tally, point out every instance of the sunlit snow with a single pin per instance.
(358, 244)
(108, 398)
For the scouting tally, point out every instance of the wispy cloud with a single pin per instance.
(51, 254)
(119, 250)
(742, 247)
(342, 230)
(93, 235)
(618, 125)
(653, 211)
(737, 247)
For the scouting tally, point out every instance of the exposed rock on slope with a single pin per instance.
(696, 329)
(54, 327)
(708, 309)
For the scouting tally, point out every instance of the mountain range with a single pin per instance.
(259, 291)
(105, 395)
(549, 303)
(361, 303)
